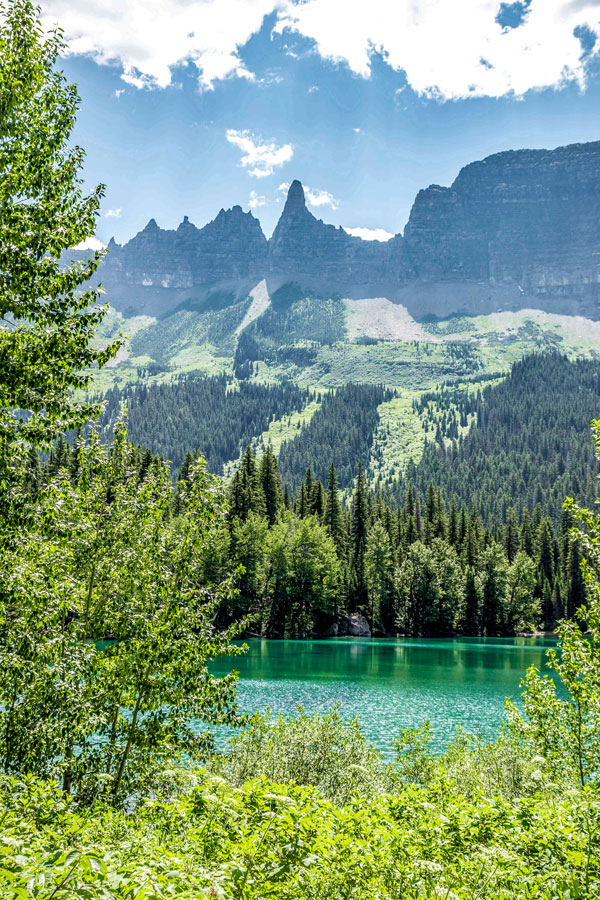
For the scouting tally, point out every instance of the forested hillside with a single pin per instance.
(519, 441)
(206, 414)
(530, 444)
(340, 432)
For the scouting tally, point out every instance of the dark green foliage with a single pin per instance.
(429, 573)
(341, 430)
(209, 413)
(279, 335)
(530, 445)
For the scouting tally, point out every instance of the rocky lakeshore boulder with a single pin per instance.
(354, 625)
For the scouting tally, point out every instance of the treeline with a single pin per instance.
(417, 569)
(206, 413)
(530, 445)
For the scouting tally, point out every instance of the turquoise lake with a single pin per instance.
(389, 684)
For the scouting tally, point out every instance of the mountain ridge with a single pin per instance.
(520, 228)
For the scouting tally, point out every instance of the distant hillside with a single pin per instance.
(523, 440)
(530, 444)
(208, 415)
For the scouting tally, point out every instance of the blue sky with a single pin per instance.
(365, 102)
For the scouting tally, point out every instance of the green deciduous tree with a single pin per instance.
(46, 320)
(564, 729)
(100, 561)
(304, 573)
(379, 569)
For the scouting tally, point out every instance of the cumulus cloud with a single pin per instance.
(468, 48)
(313, 196)
(90, 243)
(453, 50)
(370, 234)
(149, 37)
(320, 198)
(113, 213)
(256, 200)
(260, 157)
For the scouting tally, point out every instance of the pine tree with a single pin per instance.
(359, 536)
(270, 481)
(317, 500)
(333, 510)
(511, 535)
(471, 624)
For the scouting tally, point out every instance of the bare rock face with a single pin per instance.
(303, 245)
(530, 217)
(231, 247)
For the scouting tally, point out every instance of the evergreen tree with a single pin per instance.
(359, 536)
(270, 483)
(511, 535)
(333, 510)
(471, 624)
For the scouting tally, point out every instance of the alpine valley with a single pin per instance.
(333, 348)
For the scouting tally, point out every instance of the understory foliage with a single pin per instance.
(288, 841)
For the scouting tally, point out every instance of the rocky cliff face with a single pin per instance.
(518, 228)
(303, 245)
(530, 217)
(230, 248)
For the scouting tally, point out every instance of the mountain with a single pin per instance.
(305, 248)
(528, 219)
(158, 269)
(515, 230)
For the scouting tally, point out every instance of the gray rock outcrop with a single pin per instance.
(354, 625)
(303, 245)
(518, 228)
(530, 217)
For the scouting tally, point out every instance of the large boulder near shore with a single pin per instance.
(354, 625)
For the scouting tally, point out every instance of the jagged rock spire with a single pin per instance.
(295, 199)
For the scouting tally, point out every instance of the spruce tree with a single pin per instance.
(333, 510)
(270, 481)
(359, 536)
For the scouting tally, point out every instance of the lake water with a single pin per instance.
(389, 684)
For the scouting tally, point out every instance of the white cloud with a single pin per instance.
(314, 197)
(357, 130)
(451, 50)
(313, 89)
(149, 37)
(446, 49)
(256, 200)
(370, 234)
(259, 157)
(319, 198)
(90, 243)
(113, 213)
